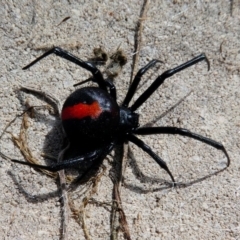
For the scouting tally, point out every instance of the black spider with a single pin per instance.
(94, 123)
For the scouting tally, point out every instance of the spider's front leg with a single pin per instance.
(97, 75)
(160, 79)
(133, 87)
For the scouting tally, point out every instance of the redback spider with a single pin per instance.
(94, 123)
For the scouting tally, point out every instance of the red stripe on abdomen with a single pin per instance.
(82, 110)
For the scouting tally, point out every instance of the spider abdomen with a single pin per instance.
(90, 117)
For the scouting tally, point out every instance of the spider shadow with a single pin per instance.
(48, 145)
(32, 198)
(54, 139)
(54, 142)
(117, 167)
(143, 178)
(165, 184)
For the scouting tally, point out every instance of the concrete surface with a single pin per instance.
(174, 31)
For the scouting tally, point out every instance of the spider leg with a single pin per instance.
(85, 161)
(182, 132)
(149, 151)
(133, 87)
(97, 75)
(160, 79)
(70, 163)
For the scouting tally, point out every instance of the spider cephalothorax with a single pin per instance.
(94, 123)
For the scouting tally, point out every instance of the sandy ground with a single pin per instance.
(174, 32)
